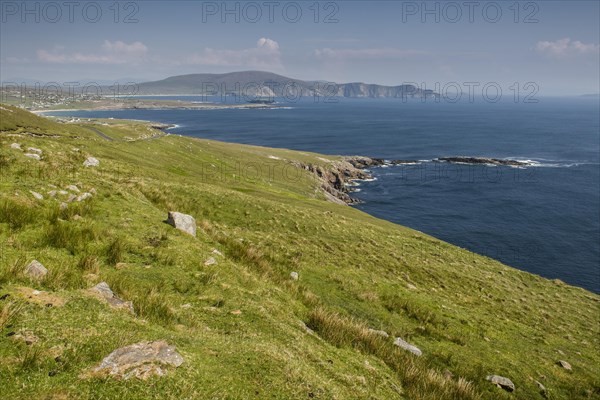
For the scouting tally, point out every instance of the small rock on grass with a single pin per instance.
(36, 270)
(34, 150)
(407, 346)
(83, 196)
(140, 360)
(91, 162)
(294, 275)
(501, 382)
(542, 388)
(27, 336)
(210, 261)
(36, 195)
(565, 365)
(33, 155)
(15, 146)
(183, 222)
(104, 291)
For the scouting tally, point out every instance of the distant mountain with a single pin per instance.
(267, 84)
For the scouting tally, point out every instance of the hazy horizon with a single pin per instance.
(552, 44)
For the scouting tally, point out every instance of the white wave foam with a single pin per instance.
(549, 163)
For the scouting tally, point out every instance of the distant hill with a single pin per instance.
(267, 84)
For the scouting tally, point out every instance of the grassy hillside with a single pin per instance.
(244, 327)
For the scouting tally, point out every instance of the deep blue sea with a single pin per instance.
(544, 219)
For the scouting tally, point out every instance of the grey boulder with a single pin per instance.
(140, 360)
(183, 222)
(502, 382)
(104, 291)
(91, 162)
(36, 270)
(407, 346)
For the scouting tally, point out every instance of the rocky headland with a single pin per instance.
(340, 176)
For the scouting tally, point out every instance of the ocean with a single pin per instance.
(544, 218)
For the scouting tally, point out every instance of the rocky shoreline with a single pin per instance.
(339, 177)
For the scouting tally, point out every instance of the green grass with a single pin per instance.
(242, 328)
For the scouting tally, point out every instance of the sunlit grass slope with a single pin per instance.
(244, 327)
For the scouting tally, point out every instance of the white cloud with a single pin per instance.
(110, 53)
(266, 54)
(267, 43)
(362, 54)
(134, 49)
(566, 47)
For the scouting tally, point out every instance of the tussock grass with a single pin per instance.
(418, 379)
(17, 213)
(11, 270)
(418, 311)
(10, 310)
(31, 359)
(64, 275)
(89, 263)
(81, 209)
(68, 235)
(115, 251)
(149, 301)
(240, 250)
(153, 305)
(164, 257)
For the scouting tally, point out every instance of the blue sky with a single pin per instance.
(552, 43)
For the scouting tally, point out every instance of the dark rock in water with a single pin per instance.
(482, 160)
(502, 382)
(162, 126)
(401, 162)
